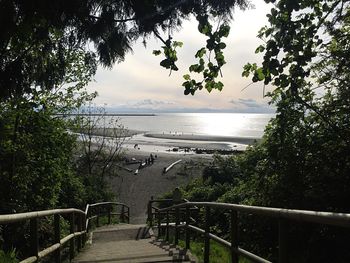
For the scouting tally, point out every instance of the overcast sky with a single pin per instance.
(141, 84)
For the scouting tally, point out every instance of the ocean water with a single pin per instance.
(216, 124)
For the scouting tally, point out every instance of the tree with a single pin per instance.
(35, 148)
(99, 149)
(34, 37)
(303, 161)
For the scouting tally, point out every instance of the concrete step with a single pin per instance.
(121, 232)
(129, 243)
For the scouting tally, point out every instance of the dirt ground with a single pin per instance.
(136, 190)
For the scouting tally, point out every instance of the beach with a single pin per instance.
(179, 143)
(136, 190)
(135, 186)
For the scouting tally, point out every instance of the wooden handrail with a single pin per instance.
(79, 225)
(327, 218)
(283, 215)
(12, 218)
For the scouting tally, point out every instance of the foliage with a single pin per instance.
(36, 150)
(8, 257)
(303, 160)
(210, 71)
(99, 149)
(218, 253)
(35, 38)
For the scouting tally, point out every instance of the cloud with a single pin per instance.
(141, 83)
(251, 105)
(150, 103)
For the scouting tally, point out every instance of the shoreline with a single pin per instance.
(191, 144)
(202, 137)
(178, 143)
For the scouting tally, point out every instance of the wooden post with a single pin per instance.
(206, 235)
(122, 214)
(167, 226)
(79, 228)
(149, 216)
(98, 216)
(282, 241)
(159, 223)
(84, 229)
(149, 210)
(234, 236)
(34, 237)
(109, 214)
(57, 237)
(177, 221)
(188, 238)
(72, 241)
(128, 221)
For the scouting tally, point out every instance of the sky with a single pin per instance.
(140, 84)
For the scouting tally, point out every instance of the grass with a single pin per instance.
(103, 220)
(218, 253)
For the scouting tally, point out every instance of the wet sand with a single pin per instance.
(136, 190)
(196, 137)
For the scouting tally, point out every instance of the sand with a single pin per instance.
(196, 137)
(136, 190)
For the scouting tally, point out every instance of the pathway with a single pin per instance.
(128, 243)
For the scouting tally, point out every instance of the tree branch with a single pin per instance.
(159, 37)
(115, 20)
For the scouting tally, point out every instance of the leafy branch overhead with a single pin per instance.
(34, 34)
(298, 34)
(169, 51)
(210, 58)
(207, 66)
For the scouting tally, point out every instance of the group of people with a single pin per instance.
(148, 161)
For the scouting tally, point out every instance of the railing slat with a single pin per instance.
(282, 241)
(234, 236)
(177, 222)
(57, 237)
(167, 226)
(188, 233)
(34, 237)
(206, 235)
(71, 241)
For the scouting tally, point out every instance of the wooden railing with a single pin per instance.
(283, 216)
(79, 224)
(152, 210)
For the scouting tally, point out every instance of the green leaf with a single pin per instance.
(222, 45)
(219, 85)
(224, 30)
(260, 73)
(177, 44)
(209, 86)
(156, 52)
(259, 49)
(166, 63)
(187, 77)
(200, 53)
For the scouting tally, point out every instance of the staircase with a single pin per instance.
(129, 243)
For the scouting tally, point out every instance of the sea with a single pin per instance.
(212, 124)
